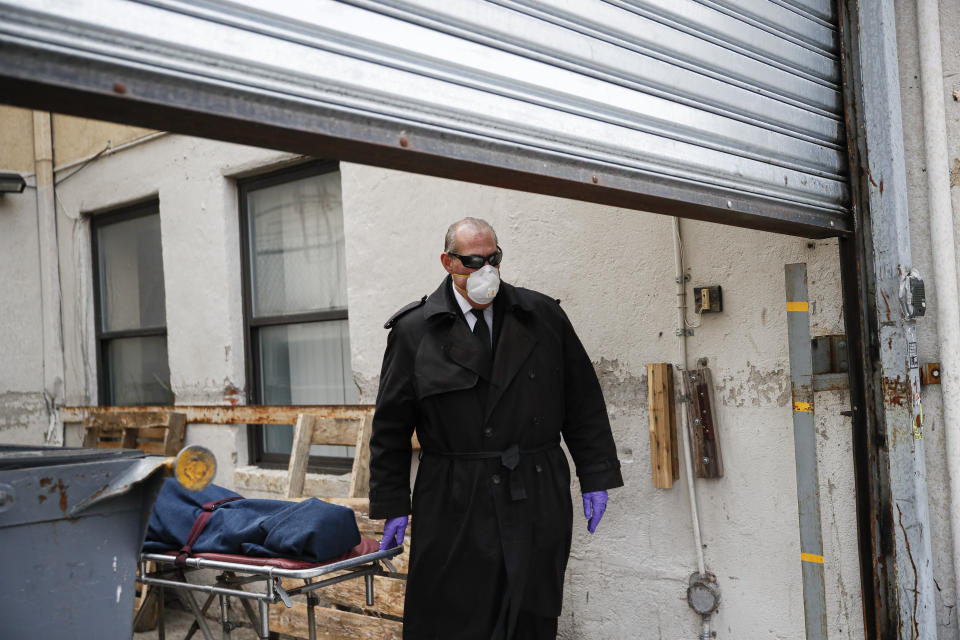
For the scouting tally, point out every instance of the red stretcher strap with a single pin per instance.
(197, 528)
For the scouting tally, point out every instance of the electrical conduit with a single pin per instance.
(944, 250)
(688, 461)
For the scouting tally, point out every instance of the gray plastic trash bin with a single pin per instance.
(72, 523)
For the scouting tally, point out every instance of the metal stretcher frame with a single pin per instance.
(237, 574)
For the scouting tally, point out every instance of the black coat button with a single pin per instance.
(538, 468)
(537, 420)
(532, 374)
(488, 432)
(495, 479)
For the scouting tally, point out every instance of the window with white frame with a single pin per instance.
(295, 301)
(131, 331)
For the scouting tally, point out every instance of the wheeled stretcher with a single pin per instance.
(262, 577)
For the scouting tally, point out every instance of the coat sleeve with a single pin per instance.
(393, 424)
(586, 428)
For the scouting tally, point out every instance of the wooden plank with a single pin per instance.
(360, 476)
(152, 433)
(388, 594)
(342, 431)
(91, 436)
(701, 417)
(155, 448)
(176, 433)
(129, 438)
(663, 426)
(231, 415)
(299, 456)
(332, 624)
(227, 414)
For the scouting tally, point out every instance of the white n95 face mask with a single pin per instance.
(483, 284)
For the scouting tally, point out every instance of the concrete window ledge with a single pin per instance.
(255, 482)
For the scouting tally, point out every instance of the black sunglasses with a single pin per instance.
(475, 262)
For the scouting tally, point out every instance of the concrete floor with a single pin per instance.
(178, 624)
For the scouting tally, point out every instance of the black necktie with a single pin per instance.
(481, 329)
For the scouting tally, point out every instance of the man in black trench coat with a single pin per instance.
(490, 376)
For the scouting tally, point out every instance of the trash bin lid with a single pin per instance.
(26, 456)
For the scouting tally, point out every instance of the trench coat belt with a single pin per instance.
(509, 458)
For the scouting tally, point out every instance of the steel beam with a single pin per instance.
(890, 468)
(805, 448)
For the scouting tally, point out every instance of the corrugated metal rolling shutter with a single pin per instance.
(728, 110)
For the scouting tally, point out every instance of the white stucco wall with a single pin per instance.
(23, 415)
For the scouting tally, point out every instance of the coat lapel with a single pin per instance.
(461, 346)
(514, 346)
(456, 341)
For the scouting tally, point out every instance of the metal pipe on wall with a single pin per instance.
(50, 291)
(943, 248)
(805, 448)
(688, 462)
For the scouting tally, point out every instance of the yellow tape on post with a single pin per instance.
(811, 557)
(798, 306)
(804, 407)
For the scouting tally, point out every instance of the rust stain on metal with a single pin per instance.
(404, 142)
(870, 177)
(886, 303)
(119, 87)
(223, 414)
(45, 481)
(41, 499)
(63, 495)
(895, 392)
(916, 579)
(880, 186)
(801, 392)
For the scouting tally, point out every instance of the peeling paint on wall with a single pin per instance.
(752, 387)
(623, 391)
(955, 173)
(20, 410)
(366, 387)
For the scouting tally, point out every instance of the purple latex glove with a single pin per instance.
(594, 504)
(393, 531)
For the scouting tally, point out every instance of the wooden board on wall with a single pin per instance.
(664, 459)
(702, 420)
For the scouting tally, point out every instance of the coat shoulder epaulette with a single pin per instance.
(404, 311)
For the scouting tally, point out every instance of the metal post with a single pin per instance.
(225, 616)
(805, 448)
(312, 617)
(896, 562)
(264, 631)
(368, 579)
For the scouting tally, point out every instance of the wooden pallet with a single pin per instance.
(343, 613)
(157, 432)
